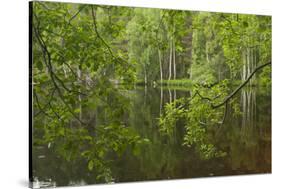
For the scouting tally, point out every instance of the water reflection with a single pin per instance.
(248, 136)
(245, 137)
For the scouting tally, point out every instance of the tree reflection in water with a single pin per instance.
(123, 143)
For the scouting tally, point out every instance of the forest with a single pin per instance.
(150, 91)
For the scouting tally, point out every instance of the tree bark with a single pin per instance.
(170, 62)
(145, 75)
(160, 66)
(174, 60)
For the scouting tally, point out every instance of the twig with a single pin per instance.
(81, 8)
(41, 110)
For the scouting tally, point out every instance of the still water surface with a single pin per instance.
(246, 139)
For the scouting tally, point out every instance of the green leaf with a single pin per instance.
(91, 165)
(245, 24)
(101, 154)
(39, 65)
(77, 110)
(86, 153)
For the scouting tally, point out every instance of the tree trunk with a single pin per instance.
(145, 76)
(170, 95)
(207, 54)
(170, 62)
(161, 99)
(174, 59)
(248, 63)
(160, 65)
(79, 77)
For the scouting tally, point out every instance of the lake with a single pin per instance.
(245, 139)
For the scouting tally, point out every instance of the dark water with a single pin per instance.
(246, 139)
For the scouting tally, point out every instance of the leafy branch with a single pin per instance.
(101, 38)
(48, 63)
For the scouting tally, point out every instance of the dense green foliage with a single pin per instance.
(85, 52)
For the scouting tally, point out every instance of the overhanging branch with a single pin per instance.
(54, 77)
(101, 38)
(240, 86)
